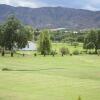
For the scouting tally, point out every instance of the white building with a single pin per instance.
(30, 47)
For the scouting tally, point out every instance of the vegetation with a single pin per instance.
(44, 43)
(64, 51)
(56, 78)
(13, 35)
(92, 40)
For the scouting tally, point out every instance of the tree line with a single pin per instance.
(14, 35)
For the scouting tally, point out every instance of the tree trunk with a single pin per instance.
(96, 50)
(12, 53)
(3, 53)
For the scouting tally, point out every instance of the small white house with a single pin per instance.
(31, 46)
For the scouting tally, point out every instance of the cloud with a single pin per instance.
(24, 3)
(81, 4)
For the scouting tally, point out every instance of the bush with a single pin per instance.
(6, 69)
(71, 54)
(76, 52)
(64, 51)
(98, 52)
(53, 52)
(35, 54)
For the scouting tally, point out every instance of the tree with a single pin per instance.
(90, 45)
(14, 35)
(64, 51)
(2, 39)
(44, 44)
(92, 40)
(10, 32)
(36, 34)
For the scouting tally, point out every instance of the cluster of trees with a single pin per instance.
(14, 35)
(67, 36)
(89, 38)
(92, 40)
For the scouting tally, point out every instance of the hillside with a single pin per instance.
(53, 17)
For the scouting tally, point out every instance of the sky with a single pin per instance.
(78, 4)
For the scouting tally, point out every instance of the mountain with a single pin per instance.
(53, 17)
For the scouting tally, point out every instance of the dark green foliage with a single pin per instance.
(3, 53)
(6, 69)
(90, 45)
(36, 34)
(92, 40)
(13, 35)
(12, 53)
(71, 54)
(23, 54)
(35, 54)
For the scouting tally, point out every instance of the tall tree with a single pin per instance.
(93, 39)
(10, 32)
(2, 40)
(36, 34)
(44, 44)
(14, 35)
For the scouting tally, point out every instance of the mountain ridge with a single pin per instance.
(53, 17)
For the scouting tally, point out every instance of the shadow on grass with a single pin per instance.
(6, 69)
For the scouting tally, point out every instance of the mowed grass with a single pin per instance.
(50, 78)
(58, 46)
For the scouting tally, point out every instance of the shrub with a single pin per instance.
(98, 52)
(35, 54)
(64, 51)
(71, 54)
(6, 69)
(76, 52)
(53, 52)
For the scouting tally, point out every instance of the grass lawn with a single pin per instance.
(58, 46)
(51, 78)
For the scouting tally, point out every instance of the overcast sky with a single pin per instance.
(81, 4)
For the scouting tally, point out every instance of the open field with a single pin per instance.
(50, 78)
(58, 46)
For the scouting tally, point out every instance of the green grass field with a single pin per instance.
(58, 46)
(50, 78)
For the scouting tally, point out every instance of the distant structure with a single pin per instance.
(31, 46)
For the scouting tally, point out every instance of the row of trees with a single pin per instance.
(14, 35)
